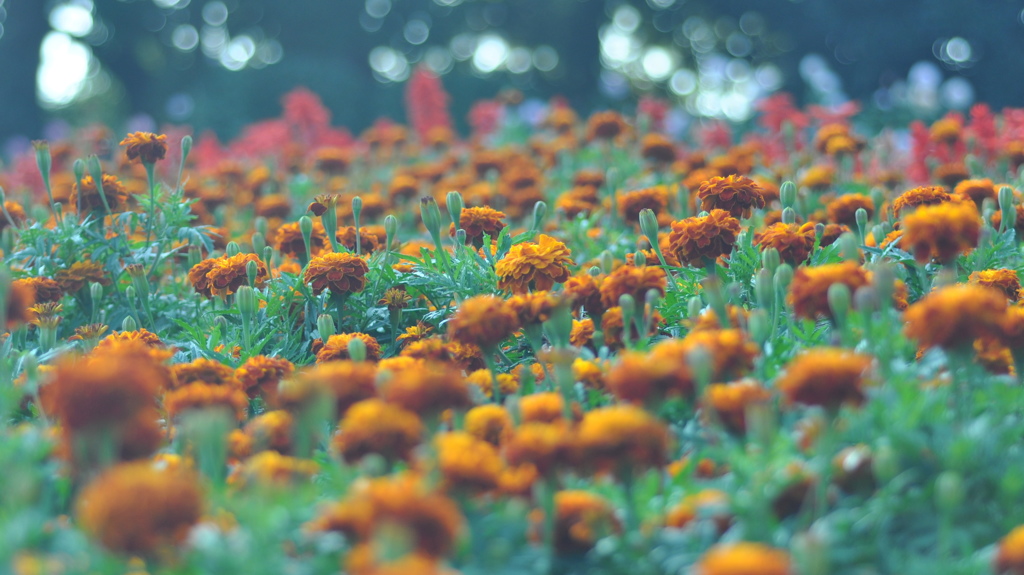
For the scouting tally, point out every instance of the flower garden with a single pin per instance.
(575, 346)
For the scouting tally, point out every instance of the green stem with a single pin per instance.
(152, 199)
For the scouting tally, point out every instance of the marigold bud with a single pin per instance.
(453, 201)
(839, 301)
(246, 298)
(949, 491)
(325, 325)
(357, 349)
(232, 249)
(129, 324)
(540, 211)
(649, 225)
(787, 194)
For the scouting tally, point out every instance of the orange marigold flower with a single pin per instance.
(336, 347)
(288, 240)
(228, 273)
(260, 374)
(735, 194)
(541, 445)
(16, 212)
(374, 426)
(482, 378)
(700, 239)
(343, 273)
(976, 191)
(582, 332)
(1004, 280)
(44, 289)
(543, 407)
(705, 504)
(793, 241)
(368, 241)
(610, 437)
(467, 463)
(86, 194)
(332, 160)
(490, 423)
(843, 210)
(632, 203)
(639, 378)
(581, 518)
(744, 558)
(428, 390)
(146, 147)
(955, 316)
(825, 376)
(606, 125)
(204, 370)
(271, 430)
(197, 277)
(657, 149)
(827, 132)
(808, 294)
(921, 196)
(612, 326)
(271, 468)
(479, 221)
(483, 320)
(530, 265)
(348, 382)
(941, 232)
(206, 396)
(534, 308)
(817, 177)
(135, 508)
(20, 299)
(274, 206)
(730, 402)
(78, 274)
(1009, 559)
(585, 292)
(633, 281)
(414, 333)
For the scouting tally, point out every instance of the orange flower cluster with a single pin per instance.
(537, 266)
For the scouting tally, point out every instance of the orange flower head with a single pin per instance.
(607, 125)
(483, 379)
(735, 194)
(730, 402)
(613, 327)
(467, 464)
(1004, 280)
(808, 294)
(582, 332)
(373, 426)
(976, 191)
(145, 147)
(368, 241)
(610, 437)
(731, 353)
(534, 308)
(480, 221)
(817, 177)
(744, 558)
(793, 241)
(336, 347)
(87, 194)
(204, 370)
(79, 274)
(44, 289)
(633, 281)
(20, 300)
(288, 240)
(657, 149)
(490, 423)
(585, 291)
(530, 265)
(921, 196)
(259, 375)
(581, 518)
(270, 468)
(1009, 559)
(271, 430)
(483, 320)
(946, 130)
(229, 273)
(843, 210)
(827, 132)
(700, 239)
(343, 273)
(954, 316)
(137, 509)
(941, 232)
(544, 407)
(427, 390)
(199, 395)
(632, 203)
(541, 445)
(348, 382)
(640, 378)
(825, 376)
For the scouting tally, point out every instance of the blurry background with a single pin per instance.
(220, 64)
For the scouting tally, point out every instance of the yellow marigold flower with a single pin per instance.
(530, 265)
(207, 371)
(543, 407)
(632, 203)
(730, 402)
(428, 390)
(343, 273)
(817, 177)
(336, 347)
(705, 504)
(373, 426)
(75, 277)
(827, 132)
(808, 294)
(490, 423)
(921, 196)
(414, 333)
(259, 375)
(744, 559)
(946, 130)
(482, 378)
(206, 396)
(581, 518)
(793, 241)
(843, 145)
(135, 508)
(228, 273)
(272, 468)
(541, 445)
(518, 480)
(955, 316)
(735, 194)
(700, 239)
(146, 147)
(610, 437)
(1004, 280)
(467, 463)
(483, 320)
(825, 376)
(1009, 559)
(87, 194)
(582, 332)
(941, 232)
(843, 210)
(44, 289)
(633, 281)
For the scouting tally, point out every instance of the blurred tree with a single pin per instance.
(23, 33)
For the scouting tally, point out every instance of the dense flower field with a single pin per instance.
(570, 346)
